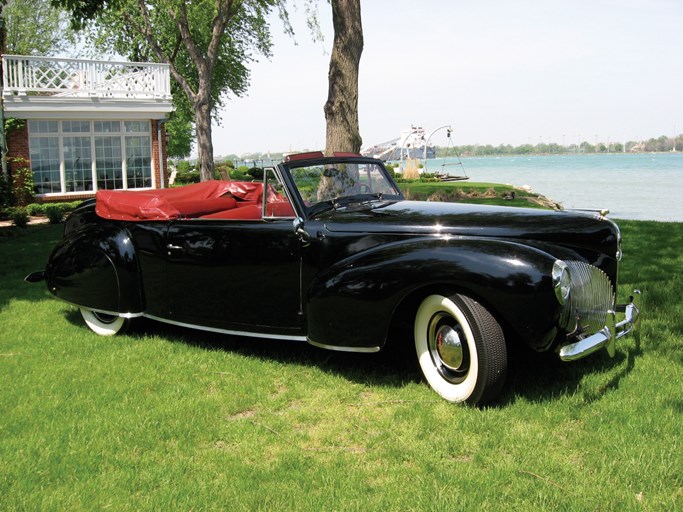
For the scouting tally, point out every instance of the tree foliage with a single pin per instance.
(208, 45)
(35, 27)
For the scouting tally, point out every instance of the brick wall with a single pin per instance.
(17, 143)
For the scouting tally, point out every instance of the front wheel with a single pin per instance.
(461, 349)
(103, 324)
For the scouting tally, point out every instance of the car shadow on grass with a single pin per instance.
(544, 377)
(381, 368)
(532, 377)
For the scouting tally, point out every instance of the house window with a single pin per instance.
(109, 162)
(45, 159)
(83, 156)
(77, 164)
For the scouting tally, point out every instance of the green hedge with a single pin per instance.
(40, 209)
(55, 212)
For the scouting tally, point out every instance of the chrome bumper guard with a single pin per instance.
(608, 336)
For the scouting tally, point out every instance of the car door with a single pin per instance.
(241, 275)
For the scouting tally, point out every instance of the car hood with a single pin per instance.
(458, 219)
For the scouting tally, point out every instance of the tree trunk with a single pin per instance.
(341, 108)
(204, 141)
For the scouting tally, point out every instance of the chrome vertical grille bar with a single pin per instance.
(592, 297)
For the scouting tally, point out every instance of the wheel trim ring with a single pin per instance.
(448, 390)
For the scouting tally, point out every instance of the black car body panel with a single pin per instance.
(511, 278)
(97, 266)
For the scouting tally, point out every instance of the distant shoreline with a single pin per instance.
(569, 153)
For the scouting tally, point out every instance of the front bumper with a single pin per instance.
(607, 336)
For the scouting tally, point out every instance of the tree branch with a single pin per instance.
(184, 28)
(147, 33)
(220, 22)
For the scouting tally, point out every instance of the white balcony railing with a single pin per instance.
(49, 76)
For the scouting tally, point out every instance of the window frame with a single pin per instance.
(127, 129)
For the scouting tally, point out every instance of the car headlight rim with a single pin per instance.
(562, 281)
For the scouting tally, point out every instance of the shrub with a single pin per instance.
(54, 213)
(19, 216)
(184, 167)
(35, 209)
(256, 173)
(186, 177)
(240, 174)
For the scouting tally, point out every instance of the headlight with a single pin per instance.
(562, 281)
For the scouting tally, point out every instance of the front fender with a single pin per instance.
(96, 267)
(351, 304)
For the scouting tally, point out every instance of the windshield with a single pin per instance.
(338, 184)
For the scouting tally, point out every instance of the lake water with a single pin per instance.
(631, 186)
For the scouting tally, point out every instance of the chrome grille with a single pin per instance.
(592, 297)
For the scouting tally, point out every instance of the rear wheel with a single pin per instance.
(461, 349)
(104, 324)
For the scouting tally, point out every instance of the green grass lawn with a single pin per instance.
(170, 419)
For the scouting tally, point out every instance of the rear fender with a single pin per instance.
(96, 267)
(351, 304)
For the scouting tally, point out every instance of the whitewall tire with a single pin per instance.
(461, 349)
(104, 324)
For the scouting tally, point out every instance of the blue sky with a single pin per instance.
(496, 71)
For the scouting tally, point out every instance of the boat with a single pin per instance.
(409, 145)
(413, 147)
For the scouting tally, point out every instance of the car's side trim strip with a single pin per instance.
(266, 335)
(228, 331)
(344, 349)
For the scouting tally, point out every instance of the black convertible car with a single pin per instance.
(328, 251)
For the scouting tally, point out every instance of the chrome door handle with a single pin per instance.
(172, 247)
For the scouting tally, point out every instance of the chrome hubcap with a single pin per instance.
(449, 347)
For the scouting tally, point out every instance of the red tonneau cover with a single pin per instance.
(172, 203)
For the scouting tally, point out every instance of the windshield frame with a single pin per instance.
(338, 202)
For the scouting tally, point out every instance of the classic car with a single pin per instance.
(327, 250)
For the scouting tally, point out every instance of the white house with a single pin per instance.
(89, 125)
